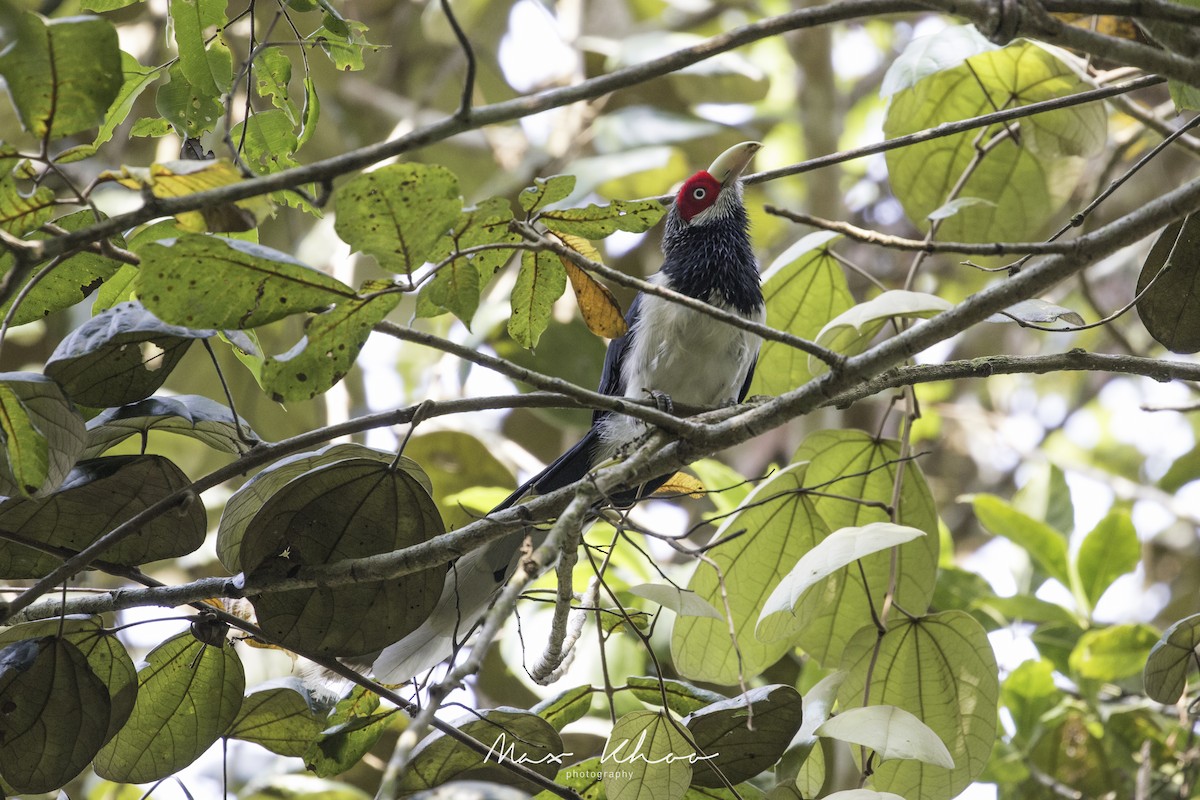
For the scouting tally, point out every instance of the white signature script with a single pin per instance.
(625, 751)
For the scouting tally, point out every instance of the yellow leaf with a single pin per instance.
(179, 178)
(599, 308)
(682, 484)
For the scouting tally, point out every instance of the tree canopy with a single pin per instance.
(286, 314)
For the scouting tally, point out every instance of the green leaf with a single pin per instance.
(846, 467)
(190, 110)
(682, 698)
(1171, 659)
(135, 79)
(191, 415)
(1113, 653)
(279, 716)
(457, 285)
(192, 21)
(779, 524)
(1025, 179)
(119, 356)
(1170, 308)
(545, 191)
(330, 346)
(681, 601)
(541, 280)
(42, 434)
(345, 47)
(105, 5)
(55, 716)
(246, 501)
(512, 734)
(928, 55)
(1182, 471)
(1046, 496)
(398, 213)
(597, 222)
(215, 282)
(311, 113)
(355, 725)
(837, 550)
(97, 496)
(891, 732)
(349, 509)
(62, 74)
(455, 461)
(188, 694)
(851, 332)
(646, 757)
(1045, 545)
(272, 73)
(565, 707)
(20, 213)
(71, 280)
(1029, 694)
(940, 669)
(269, 141)
(804, 288)
(745, 735)
(1110, 550)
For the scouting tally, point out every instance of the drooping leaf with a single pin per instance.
(840, 548)
(344, 43)
(1025, 178)
(181, 178)
(940, 669)
(191, 415)
(682, 602)
(597, 222)
(214, 282)
(545, 191)
(847, 467)
(398, 213)
(646, 757)
(851, 332)
(41, 433)
(348, 509)
(1170, 308)
(1171, 659)
(330, 345)
(193, 21)
(891, 732)
(353, 727)
(512, 735)
(279, 716)
(69, 282)
(745, 735)
(779, 524)
(599, 308)
(1038, 312)
(62, 74)
(135, 80)
(106, 657)
(540, 282)
(55, 713)
(97, 496)
(188, 694)
(119, 356)
(804, 288)
(272, 73)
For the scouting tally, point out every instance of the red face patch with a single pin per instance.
(697, 193)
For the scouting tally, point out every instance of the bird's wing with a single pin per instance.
(745, 390)
(612, 381)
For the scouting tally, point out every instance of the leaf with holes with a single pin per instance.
(55, 716)
(62, 74)
(545, 191)
(940, 669)
(188, 694)
(214, 282)
(119, 356)
(191, 415)
(41, 433)
(540, 282)
(349, 509)
(597, 222)
(330, 345)
(398, 213)
(1170, 307)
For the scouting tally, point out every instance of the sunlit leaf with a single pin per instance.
(1113, 653)
(1045, 545)
(1109, 550)
(280, 717)
(851, 332)
(540, 282)
(891, 732)
(646, 758)
(193, 22)
(680, 601)
(566, 707)
(41, 433)
(545, 191)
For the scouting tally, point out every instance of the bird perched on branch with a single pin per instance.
(669, 351)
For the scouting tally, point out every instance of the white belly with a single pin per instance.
(689, 356)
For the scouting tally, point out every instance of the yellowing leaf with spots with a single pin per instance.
(600, 309)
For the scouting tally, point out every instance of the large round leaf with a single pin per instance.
(744, 736)
(54, 713)
(97, 496)
(349, 509)
(188, 694)
(190, 415)
(41, 432)
(1170, 307)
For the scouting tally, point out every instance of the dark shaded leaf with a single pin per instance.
(744, 735)
(191, 415)
(354, 725)
(1171, 659)
(42, 434)
(1170, 308)
(119, 356)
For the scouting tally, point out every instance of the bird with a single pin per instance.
(669, 352)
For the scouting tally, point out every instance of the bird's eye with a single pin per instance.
(699, 193)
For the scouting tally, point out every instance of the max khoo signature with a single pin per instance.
(626, 751)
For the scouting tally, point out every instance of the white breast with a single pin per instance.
(687, 355)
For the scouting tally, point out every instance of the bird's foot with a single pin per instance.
(662, 401)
